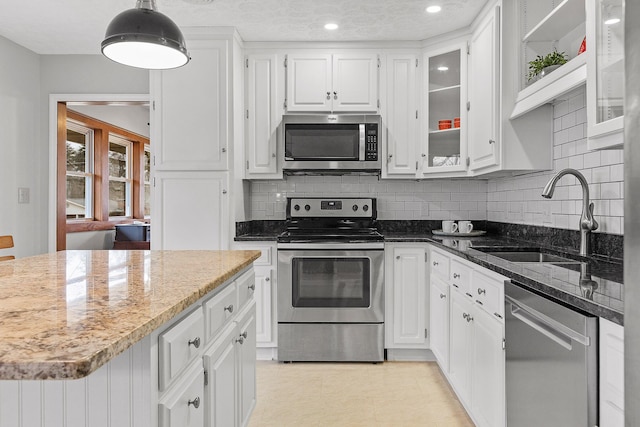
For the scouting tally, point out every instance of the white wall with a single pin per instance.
(134, 118)
(517, 199)
(21, 145)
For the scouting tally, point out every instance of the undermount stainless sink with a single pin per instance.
(528, 256)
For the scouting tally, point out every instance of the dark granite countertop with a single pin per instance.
(593, 284)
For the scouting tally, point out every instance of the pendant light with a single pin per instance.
(145, 38)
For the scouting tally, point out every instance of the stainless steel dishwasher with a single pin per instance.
(552, 362)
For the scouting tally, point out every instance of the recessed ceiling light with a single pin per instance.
(443, 68)
(611, 21)
(331, 26)
(434, 9)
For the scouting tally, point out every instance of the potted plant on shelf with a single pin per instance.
(543, 65)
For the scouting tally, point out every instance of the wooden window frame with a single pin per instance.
(101, 219)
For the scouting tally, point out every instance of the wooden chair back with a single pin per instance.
(6, 242)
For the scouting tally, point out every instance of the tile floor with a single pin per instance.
(398, 394)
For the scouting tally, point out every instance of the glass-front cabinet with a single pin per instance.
(605, 80)
(444, 145)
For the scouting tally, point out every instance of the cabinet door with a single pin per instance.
(401, 115)
(605, 73)
(460, 344)
(484, 75)
(445, 147)
(409, 298)
(262, 116)
(355, 82)
(221, 391)
(246, 350)
(488, 370)
(189, 111)
(439, 321)
(183, 405)
(309, 82)
(265, 289)
(190, 210)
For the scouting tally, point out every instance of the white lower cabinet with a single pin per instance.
(220, 364)
(183, 406)
(611, 374)
(439, 321)
(405, 296)
(488, 370)
(473, 350)
(246, 364)
(266, 275)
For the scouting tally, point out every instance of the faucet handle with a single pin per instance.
(593, 223)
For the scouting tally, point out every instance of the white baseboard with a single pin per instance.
(267, 353)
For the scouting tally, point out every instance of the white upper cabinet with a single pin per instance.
(605, 80)
(326, 82)
(548, 26)
(263, 116)
(444, 148)
(190, 111)
(400, 115)
(484, 116)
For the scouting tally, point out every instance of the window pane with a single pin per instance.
(147, 166)
(117, 198)
(147, 200)
(117, 160)
(77, 196)
(76, 151)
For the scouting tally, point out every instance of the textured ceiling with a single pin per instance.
(77, 26)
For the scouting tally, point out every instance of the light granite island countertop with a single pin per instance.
(63, 315)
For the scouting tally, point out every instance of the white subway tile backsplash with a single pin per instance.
(603, 170)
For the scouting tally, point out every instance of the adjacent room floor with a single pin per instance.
(398, 394)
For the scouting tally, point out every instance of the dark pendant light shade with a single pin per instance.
(145, 38)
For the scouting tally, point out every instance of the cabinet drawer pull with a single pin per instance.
(469, 318)
(492, 141)
(240, 340)
(469, 295)
(195, 402)
(464, 315)
(196, 343)
(435, 263)
(328, 95)
(455, 285)
(397, 256)
(442, 296)
(497, 315)
(482, 291)
(267, 279)
(456, 276)
(252, 286)
(479, 302)
(244, 335)
(229, 308)
(335, 95)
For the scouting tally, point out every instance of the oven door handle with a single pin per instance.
(373, 246)
(550, 328)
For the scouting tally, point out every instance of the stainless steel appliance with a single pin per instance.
(331, 142)
(552, 362)
(330, 282)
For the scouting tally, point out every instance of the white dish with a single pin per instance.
(474, 233)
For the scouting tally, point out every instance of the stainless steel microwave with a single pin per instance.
(331, 142)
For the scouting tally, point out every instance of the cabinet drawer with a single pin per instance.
(460, 277)
(219, 310)
(488, 292)
(246, 287)
(178, 346)
(266, 257)
(440, 264)
(184, 405)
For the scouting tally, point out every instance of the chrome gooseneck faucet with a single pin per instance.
(587, 222)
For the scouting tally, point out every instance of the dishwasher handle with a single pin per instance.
(552, 329)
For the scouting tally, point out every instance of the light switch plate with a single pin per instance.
(23, 195)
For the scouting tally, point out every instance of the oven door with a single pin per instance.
(340, 284)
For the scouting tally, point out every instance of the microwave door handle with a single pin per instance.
(363, 141)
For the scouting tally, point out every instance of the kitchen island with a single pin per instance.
(95, 337)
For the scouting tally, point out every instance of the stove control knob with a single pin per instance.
(355, 208)
(296, 207)
(307, 208)
(365, 208)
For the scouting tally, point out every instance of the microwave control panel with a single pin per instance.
(371, 147)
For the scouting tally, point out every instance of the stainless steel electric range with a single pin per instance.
(330, 281)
